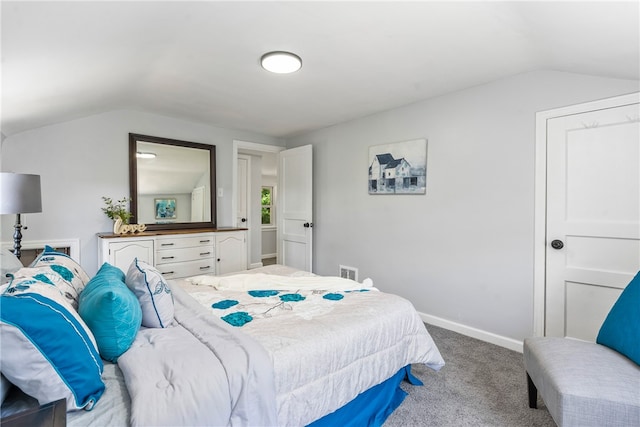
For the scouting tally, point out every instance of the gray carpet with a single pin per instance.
(481, 385)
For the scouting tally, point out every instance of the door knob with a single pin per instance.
(557, 244)
(307, 225)
(244, 220)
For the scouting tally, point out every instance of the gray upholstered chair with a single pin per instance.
(583, 383)
(591, 384)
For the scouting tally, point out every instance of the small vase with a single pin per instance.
(117, 225)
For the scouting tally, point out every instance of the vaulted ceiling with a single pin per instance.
(200, 60)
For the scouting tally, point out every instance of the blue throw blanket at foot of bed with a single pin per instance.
(371, 407)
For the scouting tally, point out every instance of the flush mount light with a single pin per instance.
(143, 155)
(281, 62)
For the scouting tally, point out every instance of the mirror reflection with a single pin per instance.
(174, 182)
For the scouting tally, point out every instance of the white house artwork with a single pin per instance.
(399, 168)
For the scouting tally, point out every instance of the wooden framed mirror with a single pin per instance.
(172, 183)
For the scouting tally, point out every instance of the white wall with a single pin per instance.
(464, 251)
(81, 160)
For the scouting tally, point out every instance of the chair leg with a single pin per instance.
(533, 393)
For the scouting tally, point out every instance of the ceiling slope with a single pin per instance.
(199, 60)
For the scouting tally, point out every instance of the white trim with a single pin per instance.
(248, 224)
(540, 194)
(255, 265)
(273, 255)
(72, 244)
(485, 336)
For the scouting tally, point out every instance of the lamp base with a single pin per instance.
(17, 237)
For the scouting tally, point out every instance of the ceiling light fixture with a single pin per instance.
(143, 155)
(281, 62)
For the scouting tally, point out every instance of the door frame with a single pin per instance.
(540, 194)
(245, 146)
(247, 196)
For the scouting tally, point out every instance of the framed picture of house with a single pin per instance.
(398, 168)
(165, 208)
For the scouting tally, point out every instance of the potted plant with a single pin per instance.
(117, 210)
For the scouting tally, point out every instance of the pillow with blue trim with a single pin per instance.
(153, 293)
(621, 329)
(66, 267)
(47, 350)
(111, 311)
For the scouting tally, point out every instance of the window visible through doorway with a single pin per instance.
(267, 206)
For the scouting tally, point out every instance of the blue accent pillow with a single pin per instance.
(47, 350)
(111, 311)
(621, 329)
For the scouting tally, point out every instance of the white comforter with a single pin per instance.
(325, 349)
(198, 372)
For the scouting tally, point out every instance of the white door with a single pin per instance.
(295, 207)
(593, 216)
(242, 209)
(197, 204)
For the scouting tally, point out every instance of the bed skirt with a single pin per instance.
(371, 407)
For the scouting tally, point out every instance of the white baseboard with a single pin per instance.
(269, 255)
(255, 265)
(469, 331)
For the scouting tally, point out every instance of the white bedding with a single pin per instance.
(325, 351)
(198, 372)
(321, 359)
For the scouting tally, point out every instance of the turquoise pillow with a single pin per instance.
(111, 311)
(621, 329)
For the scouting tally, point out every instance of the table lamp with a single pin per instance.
(19, 194)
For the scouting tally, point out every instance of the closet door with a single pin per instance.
(592, 216)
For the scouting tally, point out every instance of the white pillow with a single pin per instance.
(47, 350)
(9, 263)
(64, 265)
(152, 292)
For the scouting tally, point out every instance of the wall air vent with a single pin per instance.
(347, 272)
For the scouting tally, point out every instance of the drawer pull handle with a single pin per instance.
(205, 253)
(205, 268)
(167, 244)
(168, 257)
(168, 272)
(205, 241)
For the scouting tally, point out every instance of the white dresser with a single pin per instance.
(177, 254)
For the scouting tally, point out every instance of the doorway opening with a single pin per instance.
(263, 172)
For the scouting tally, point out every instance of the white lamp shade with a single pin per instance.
(19, 193)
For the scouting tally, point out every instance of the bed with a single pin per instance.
(271, 346)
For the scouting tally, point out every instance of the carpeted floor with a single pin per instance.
(481, 385)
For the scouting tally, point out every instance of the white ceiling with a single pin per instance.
(199, 60)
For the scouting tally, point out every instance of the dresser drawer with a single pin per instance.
(183, 242)
(185, 254)
(186, 269)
